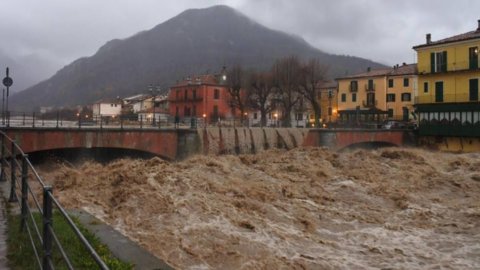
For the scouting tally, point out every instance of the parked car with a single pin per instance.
(391, 124)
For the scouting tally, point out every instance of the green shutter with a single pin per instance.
(432, 62)
(473, 90)
(439, 92)
(445, 62)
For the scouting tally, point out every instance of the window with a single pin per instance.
(390, 97)
(438, 91)
(371, 100)
(438, 61)
(353, 86)
(406, 82)
(329, 111)
(390, 83)
(255, 116)
(215, 112)
(216, 94)
(425, 87)
(473, 90)
(330, 93)
(299, 116)
(186, 111)
(177, 94)
(186, 94)
(344, 97)
(473, 57)
(176, 110)
(194, 111)
(406, 97)
(194, 94)
(354, 97)
(370, 86)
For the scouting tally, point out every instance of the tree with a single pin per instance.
(313, 73)
(260, 94)
(286, 75)
(236, 78)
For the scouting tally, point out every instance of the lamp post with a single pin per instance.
(275, 116)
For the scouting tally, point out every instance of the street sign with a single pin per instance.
(7, 81)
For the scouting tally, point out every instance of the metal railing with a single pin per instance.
(16, 162)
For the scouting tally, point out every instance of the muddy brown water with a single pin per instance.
(306, 208)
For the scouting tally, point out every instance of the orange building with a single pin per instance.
(327, 96)
(204, 96)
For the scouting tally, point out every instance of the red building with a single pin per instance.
(204, 96)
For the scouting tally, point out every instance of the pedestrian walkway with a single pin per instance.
(120, 246)
(3, 226)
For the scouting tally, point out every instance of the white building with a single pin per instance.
(107, 108)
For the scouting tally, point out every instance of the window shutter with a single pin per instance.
(432, 62)
(444, 58)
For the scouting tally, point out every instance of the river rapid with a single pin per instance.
(306, 208)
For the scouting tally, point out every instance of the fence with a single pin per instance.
(14, 161)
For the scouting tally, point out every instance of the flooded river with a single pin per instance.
(307, 208)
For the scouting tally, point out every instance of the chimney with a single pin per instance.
(478, 29)
(404, 64)
(368, 69)
(429, 38)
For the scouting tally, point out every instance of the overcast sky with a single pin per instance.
(43, 36)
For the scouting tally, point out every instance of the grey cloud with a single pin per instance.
(56, 32)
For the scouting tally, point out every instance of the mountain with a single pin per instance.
(196, 41)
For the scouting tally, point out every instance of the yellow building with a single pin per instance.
(377, 95)
(401, 90)
(328, 92)
(448, 100)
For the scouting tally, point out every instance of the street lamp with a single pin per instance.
(204, 120)
(275, 115)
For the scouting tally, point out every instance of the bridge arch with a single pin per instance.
(170, 144)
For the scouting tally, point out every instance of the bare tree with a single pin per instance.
(312, 75)
(236, 81)
(286, 76)
(260, 94)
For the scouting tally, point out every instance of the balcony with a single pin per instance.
(370, 87)
(455, 67)
(370, 103)
(446, 98)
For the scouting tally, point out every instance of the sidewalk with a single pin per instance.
(3, 225)
(120, 246)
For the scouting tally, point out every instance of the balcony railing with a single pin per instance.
(369, 87)
(446, 98)
(459, 66)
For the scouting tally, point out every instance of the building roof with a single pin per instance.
(215, 79)
(108, 101)
(369, 73)
(462, 37)
(397, 70)
(404, 69)
(327, 84)
(138, 97)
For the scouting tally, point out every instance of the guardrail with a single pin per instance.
(84, 121)
(14, 161)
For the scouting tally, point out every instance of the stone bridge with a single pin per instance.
(176, 144)
(338, 139)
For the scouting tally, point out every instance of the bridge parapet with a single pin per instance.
(171, 144)
(337, 139)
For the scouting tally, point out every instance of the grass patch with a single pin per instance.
(21, 254)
